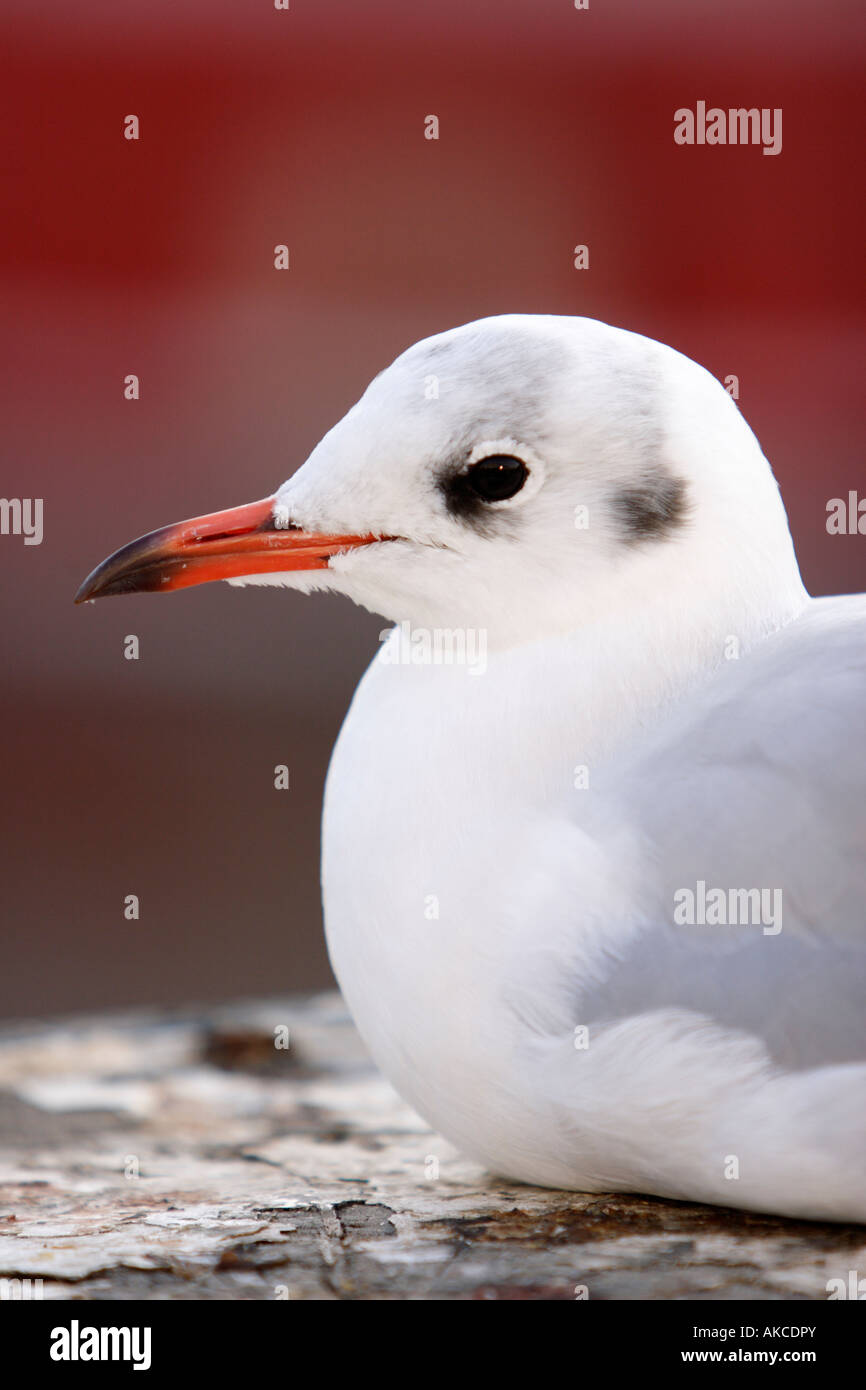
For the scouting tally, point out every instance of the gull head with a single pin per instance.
(524, 474)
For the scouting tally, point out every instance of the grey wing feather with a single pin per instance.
(759, 784)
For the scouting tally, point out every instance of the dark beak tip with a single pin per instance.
(101, 583)
(83, 592)
(96, 585)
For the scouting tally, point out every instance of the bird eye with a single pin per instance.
(497, 477)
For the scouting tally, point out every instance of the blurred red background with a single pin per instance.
(155, 257)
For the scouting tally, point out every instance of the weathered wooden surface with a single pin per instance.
(188, 1157)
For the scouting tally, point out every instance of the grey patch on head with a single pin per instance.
(507, 391)
(655, 504)
(506, 378)
(652, 510)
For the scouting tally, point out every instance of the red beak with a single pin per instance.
(243, 540)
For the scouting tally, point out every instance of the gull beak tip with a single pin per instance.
(85, 590)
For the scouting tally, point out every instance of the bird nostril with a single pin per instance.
(199, 538)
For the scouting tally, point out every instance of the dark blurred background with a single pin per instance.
(155, 776)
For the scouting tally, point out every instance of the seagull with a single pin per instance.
(593, 845)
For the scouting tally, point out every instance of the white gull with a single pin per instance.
(597, 901)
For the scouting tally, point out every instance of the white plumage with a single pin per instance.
(716, 715)
(596, 902)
